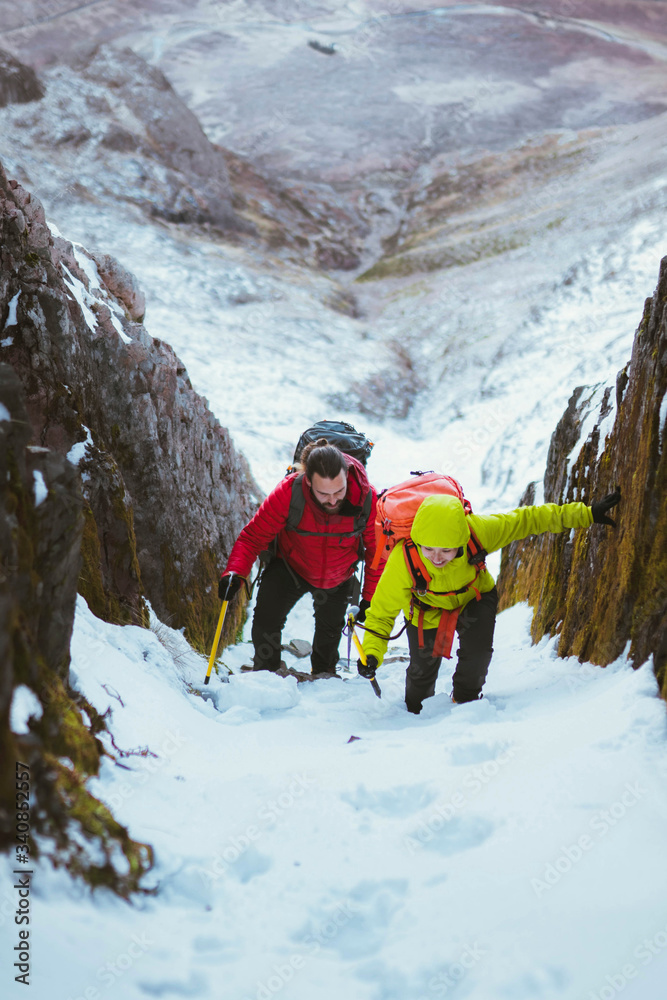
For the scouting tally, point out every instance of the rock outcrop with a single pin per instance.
(147, 116)
(116, 129)
(115, 480)
(165, 492)
(41, 527)
(18, 83)
(121, 284)
(111, 129)
(603, 589)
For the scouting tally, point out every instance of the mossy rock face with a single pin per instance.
(164, 496)
(41, 526)
(63, 800)
(62, 728)
(607, 587)
(195, 603)
(110, 575)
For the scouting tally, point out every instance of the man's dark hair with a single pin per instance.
(322, 458)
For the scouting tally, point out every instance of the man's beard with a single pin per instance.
(330, 510)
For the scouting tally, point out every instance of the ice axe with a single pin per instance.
(216, 641)
(351, 617)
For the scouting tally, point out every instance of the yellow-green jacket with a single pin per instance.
(441, 522)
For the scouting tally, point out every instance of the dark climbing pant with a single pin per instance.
(475, 626)
(279, 590)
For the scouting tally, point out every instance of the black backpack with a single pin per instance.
(344, 436)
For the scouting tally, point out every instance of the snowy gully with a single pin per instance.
(109, 973)
(473, 783)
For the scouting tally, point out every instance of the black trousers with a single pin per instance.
(475, 626)
(279, 590)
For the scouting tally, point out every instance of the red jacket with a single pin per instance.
(323, 562)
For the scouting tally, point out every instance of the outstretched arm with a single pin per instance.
(497, 530)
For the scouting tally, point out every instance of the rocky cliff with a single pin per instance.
(41, 527)
(18, 83)
(165, 492)
(110, 104)
(600, 590)
(117, 481)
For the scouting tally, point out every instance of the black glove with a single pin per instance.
(600, 507)
(229, 585)
(368, 668)
(363, 608)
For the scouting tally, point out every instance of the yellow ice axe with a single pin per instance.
(355, 640)
(216, 641)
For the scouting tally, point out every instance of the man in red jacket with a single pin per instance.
(323, 521)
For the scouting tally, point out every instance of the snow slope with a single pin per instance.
(511, 848)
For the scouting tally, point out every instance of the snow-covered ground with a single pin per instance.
(512, 848)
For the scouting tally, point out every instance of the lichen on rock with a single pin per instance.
(606, 588)
(41, 525)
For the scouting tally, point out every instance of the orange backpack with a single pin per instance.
(397, 506)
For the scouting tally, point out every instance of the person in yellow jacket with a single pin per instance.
(447, 592)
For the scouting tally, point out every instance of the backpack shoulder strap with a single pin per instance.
(476, 552)
(362, 518)
(297, 504)
(420, 575)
